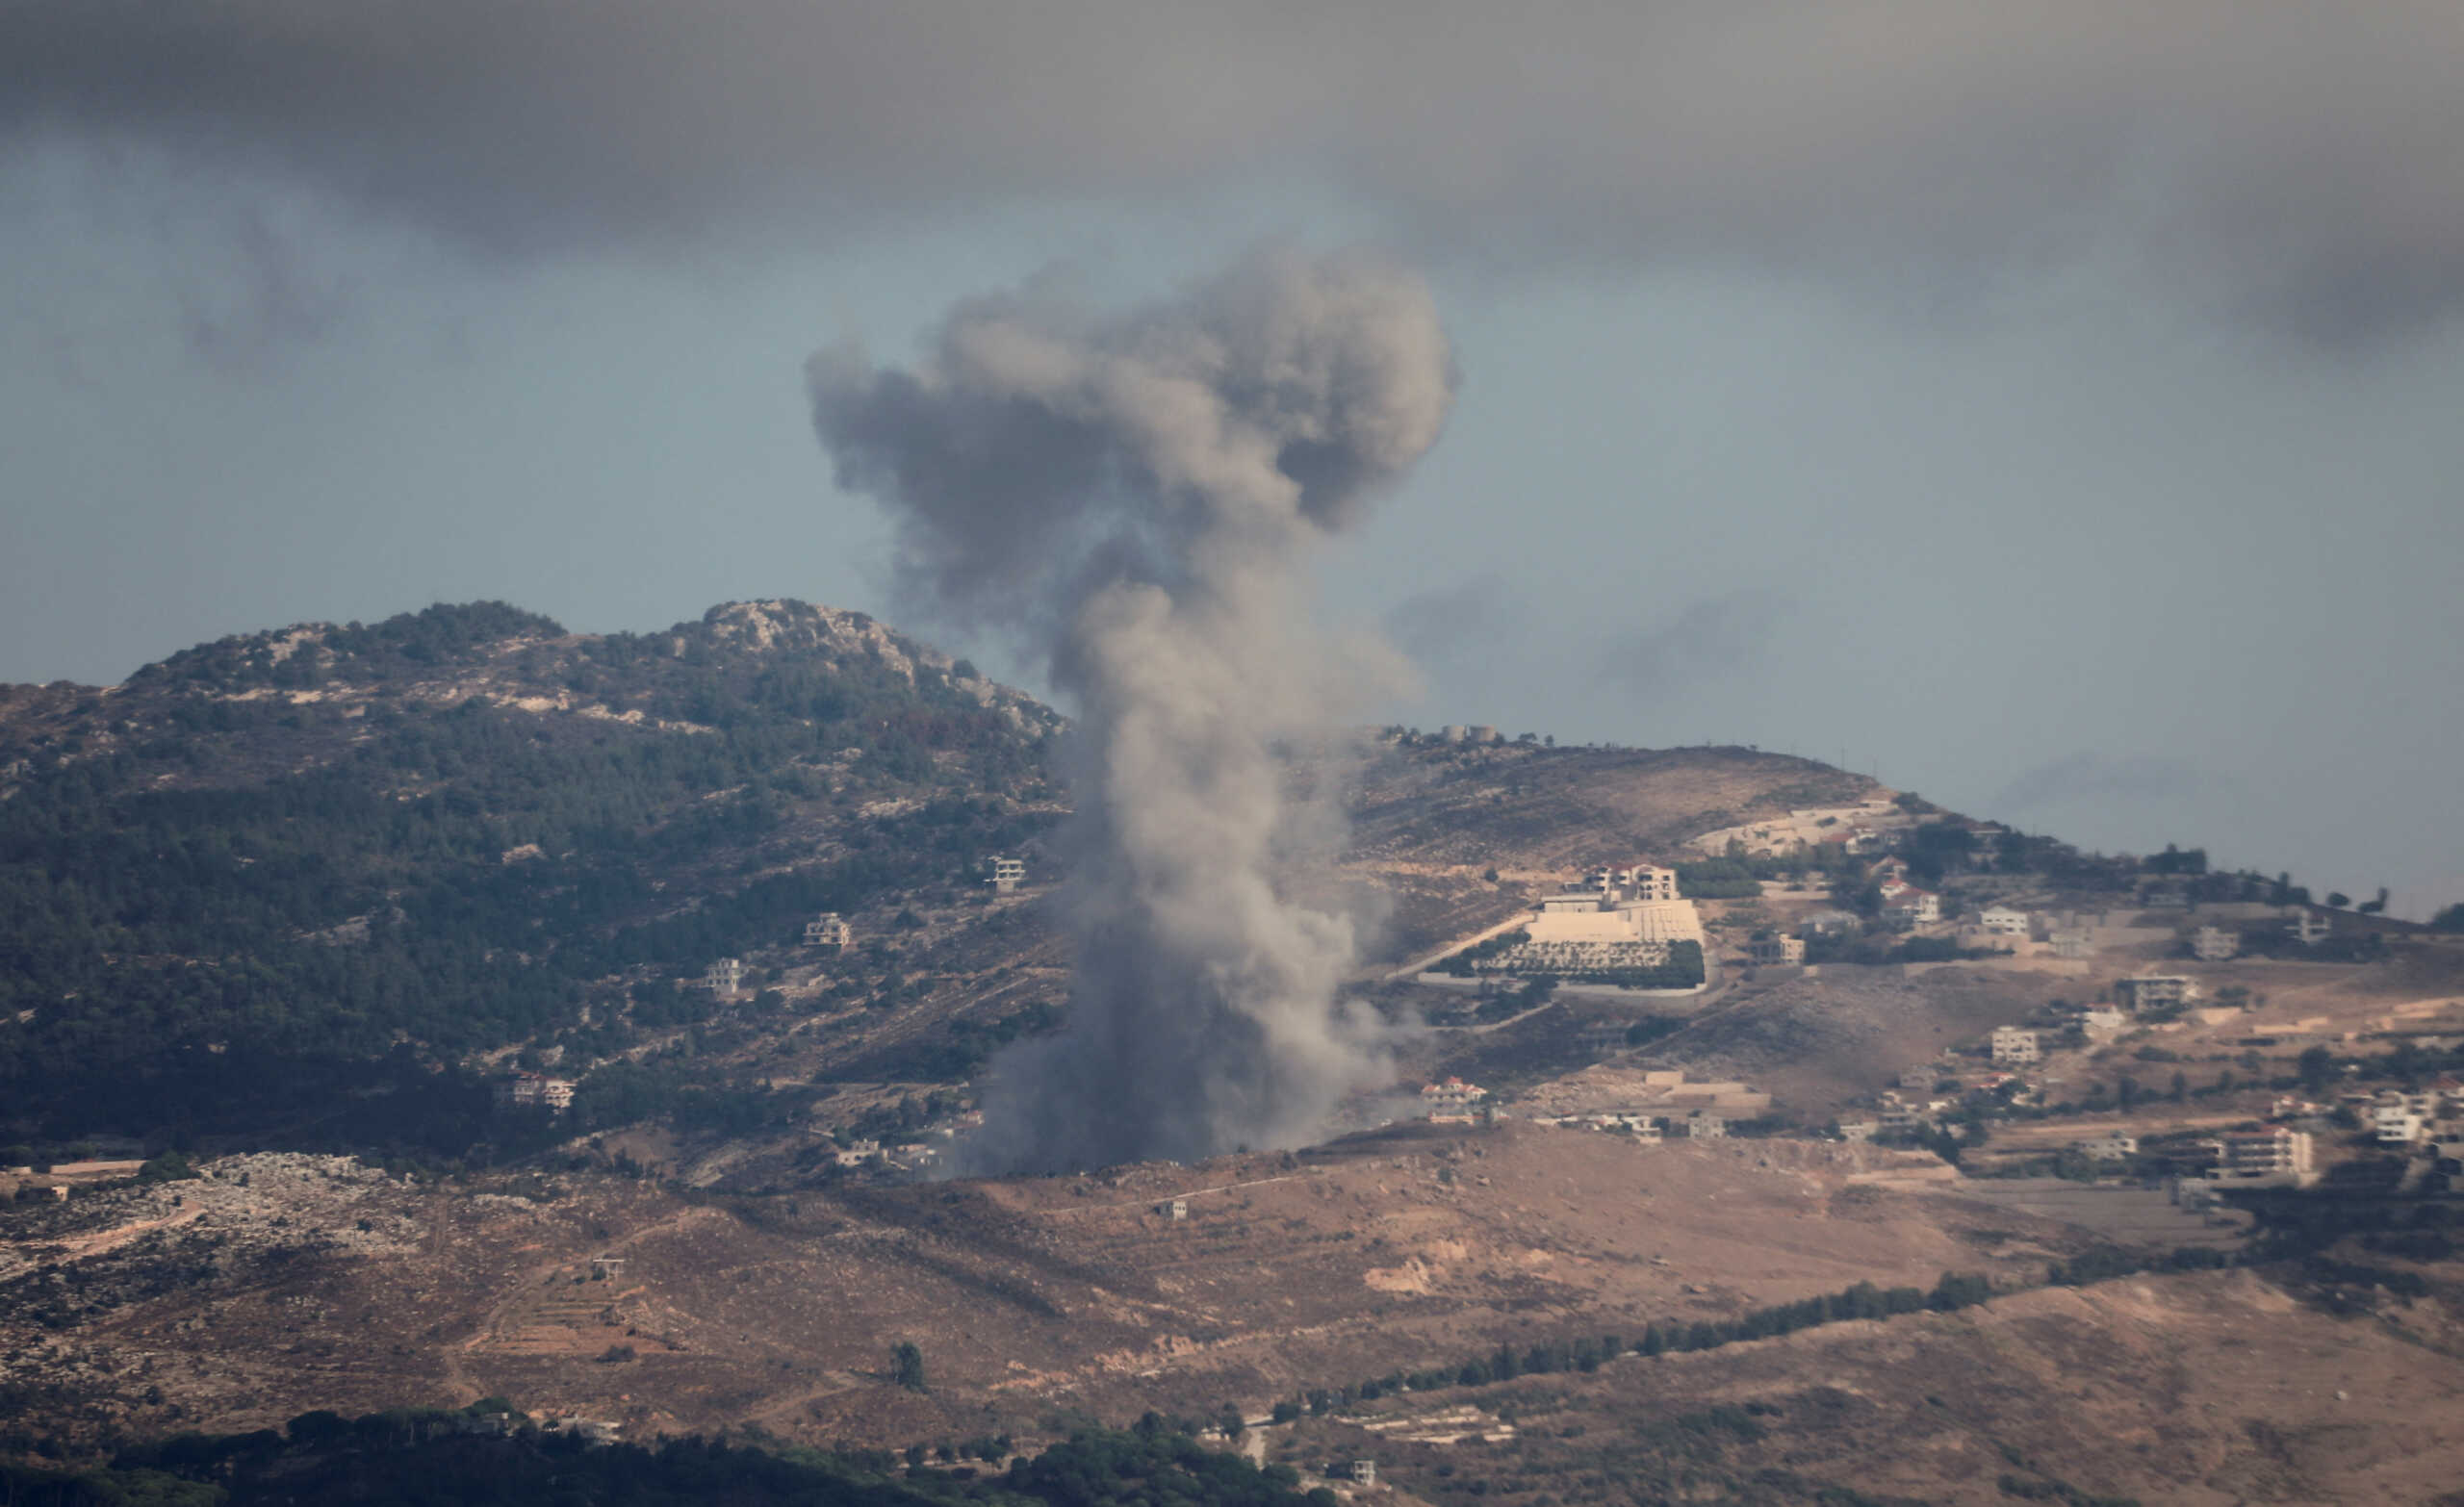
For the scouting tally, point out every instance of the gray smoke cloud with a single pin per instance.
(1134, 497)
(2293, 162)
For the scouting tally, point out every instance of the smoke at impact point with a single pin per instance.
(1134, 497)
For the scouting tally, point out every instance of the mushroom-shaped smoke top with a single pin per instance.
(1134, 496)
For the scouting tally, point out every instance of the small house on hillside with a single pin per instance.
(1906, 905)
(2016, 1046)
(2215, 944)
(2112, 1146)
(2154, 991)
(533, 1091)
(1773, 951)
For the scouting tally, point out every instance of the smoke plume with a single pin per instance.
(1134, 497)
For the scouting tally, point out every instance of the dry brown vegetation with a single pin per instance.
(1405, 1249)
(1040, 1299)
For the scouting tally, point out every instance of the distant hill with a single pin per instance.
(263, 864)
(299, 887)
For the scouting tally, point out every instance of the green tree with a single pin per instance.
(906, 1364)
(2317, 1066)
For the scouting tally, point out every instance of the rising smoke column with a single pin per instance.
(1135, 498)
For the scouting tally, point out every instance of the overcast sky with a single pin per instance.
(2050, 408)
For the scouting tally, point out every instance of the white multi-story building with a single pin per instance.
(2396, 1124)
(725, 976)
(2004, 920)
(2013, 1046)
(1701, 1126)
(1773, 951)
(2154, 991)
(2308, 926)
(829, 929)
(1904, 903)
(1004, 874)
(1643, 882)
(1451, 1100)
(2265, 1157)
(2215, 944)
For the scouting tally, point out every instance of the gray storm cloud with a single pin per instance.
(1134, 497)
(2294, 162)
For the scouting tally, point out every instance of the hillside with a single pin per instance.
(313, 892)
(1550, 1315)
(295, 887)
(312, 1282)
(271, 876)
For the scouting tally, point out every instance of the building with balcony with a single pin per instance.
(2014, 1046)
(1772, 952)
(2265, 1158)
(2154, 991)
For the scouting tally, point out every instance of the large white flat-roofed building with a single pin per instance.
(2004, 920)
(1602, 927)
(2215, 944)
(1645, 910)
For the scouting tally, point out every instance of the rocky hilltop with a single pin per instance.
(266, 868)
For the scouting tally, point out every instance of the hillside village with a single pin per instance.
(1691, 1049)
